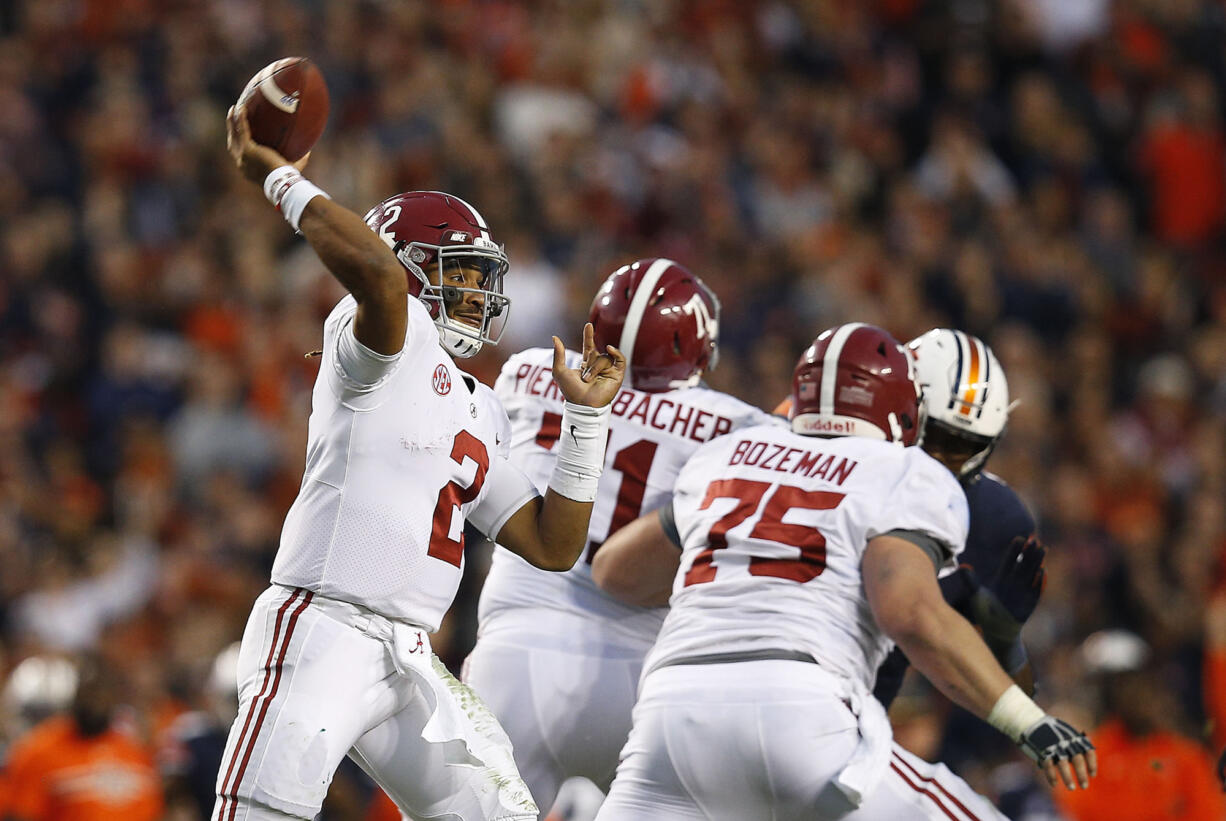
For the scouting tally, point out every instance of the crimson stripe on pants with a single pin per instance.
(938, 785)
(276, 682)
(923, 791)
(230, 792)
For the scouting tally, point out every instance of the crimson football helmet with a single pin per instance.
(856, 380)
(431, 232)
(663, 318)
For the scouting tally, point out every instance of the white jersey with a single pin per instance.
(651, 435)
(393, 470)
(774, 526)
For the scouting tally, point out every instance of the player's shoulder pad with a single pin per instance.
(943, 487)
(991, 498)
(742, 413)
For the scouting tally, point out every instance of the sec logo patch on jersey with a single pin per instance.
(441, 381)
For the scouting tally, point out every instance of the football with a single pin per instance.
(287, 106)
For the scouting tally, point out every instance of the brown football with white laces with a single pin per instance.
(287, 106)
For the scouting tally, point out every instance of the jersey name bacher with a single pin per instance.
(651, 435)
(774, 526)
(392, 471)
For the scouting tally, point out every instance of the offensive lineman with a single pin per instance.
(403, 448)
(806, 554)
(556, 659)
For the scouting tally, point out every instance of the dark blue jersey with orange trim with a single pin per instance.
(997, 517)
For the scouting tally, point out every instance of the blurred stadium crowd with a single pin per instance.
(1048, 174)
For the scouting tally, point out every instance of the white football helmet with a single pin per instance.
(38, 687)
(966, 397)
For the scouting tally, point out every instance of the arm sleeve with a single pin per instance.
(507, 489)
(668, 521)
(360, 368)
(936, 551)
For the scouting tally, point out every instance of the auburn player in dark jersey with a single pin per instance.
(997, 586)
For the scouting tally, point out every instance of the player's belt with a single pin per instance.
(769, 654)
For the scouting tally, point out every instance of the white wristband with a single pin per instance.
(580, 457)
(289, 192)
(1014, 713)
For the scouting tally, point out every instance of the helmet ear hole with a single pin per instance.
(676, 343)
(881, 349)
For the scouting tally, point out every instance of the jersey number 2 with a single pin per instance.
(453, 494)
(770, 528)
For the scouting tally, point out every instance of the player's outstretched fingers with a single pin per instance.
(559, 356)
(1082, 770)
(1066, 774)
(617, 362)
(1092, 763)
(588, 365)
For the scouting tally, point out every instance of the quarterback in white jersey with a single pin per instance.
(557, 659)
(403, 449)
(805, 555)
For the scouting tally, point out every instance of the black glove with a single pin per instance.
(1053, 739)
(1019, 582)
(1221, 769)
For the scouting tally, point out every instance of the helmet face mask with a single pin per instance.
(445, 288)
(856, 380)
(663, 318)
(966, 398)
(454, 267)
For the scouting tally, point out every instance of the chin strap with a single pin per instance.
(457, 344)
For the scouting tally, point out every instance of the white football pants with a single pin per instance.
(566, 710)
(764, 741)
(320, 679)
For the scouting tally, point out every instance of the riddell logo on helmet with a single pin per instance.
(827, 426)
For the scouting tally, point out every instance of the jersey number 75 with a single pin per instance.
(770, 527)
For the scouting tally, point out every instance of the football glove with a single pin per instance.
(1053, 739)
(1021, 577)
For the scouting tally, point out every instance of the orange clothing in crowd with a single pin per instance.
(1162, 775)
(1215, 693)
(381, 808)
(54, 774)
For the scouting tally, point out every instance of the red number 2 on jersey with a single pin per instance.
(453, 495)
(633, 462)
(769, 528)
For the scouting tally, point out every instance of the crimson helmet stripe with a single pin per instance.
(638, 306)
(830, 365)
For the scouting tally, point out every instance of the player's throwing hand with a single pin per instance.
(597, 379)
(255, 161)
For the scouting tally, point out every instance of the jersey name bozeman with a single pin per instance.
(393, 470)
(774, 526)
(651, 435)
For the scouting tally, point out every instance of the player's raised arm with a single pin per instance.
(638, 563)
(551, 533)
(354, 254)
(902, 590)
